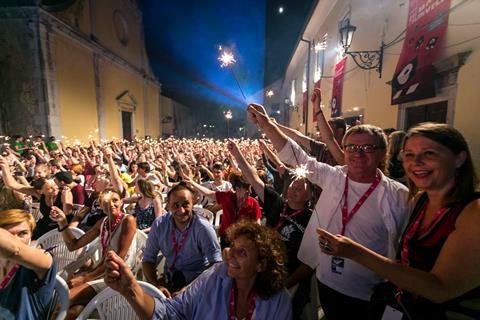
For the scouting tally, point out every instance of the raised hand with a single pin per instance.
(257, 114)
(316, 100)
(233, 147)
(336, 245)
(118, 275)
(58, 215)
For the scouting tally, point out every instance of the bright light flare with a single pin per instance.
(300, 172)
(228, 114)
(227, 59)
(269, 93)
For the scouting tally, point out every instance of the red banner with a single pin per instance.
(426, 26)
(336, 103)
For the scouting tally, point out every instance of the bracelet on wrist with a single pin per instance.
(62, 229)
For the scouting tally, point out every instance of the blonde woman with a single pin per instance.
(116, 232)
(27, 287)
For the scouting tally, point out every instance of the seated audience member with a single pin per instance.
(249, 284)
(438, 275)
(148, 206)
(289, 218)
(27, 289)
(217, 184)
(65, 179)
(236, 204)
(116, 232)
(92, 211)
(78, 174)
(187, 241)
(50, 196)
(41, 171)
(143, 170)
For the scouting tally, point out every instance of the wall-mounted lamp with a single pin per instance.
(366, 60)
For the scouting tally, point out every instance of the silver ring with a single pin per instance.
(326, 247)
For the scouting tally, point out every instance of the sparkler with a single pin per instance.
(300, 172)
(228, 59)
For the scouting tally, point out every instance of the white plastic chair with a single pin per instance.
(60, 298)
(204, 213)
(92, 251)
(35, 211)
(141, 245)
(110, 305)
(53, 242)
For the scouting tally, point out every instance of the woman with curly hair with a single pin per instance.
(248, 285)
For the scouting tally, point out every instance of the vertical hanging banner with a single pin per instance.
(426, 26)
(336, 103)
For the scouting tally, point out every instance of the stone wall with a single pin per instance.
(22, 109)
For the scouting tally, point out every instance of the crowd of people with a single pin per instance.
(388, 225)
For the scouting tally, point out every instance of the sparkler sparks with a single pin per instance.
(227, 59)
(300, 172)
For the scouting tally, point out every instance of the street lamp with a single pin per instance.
(366, 60)
(228, 116)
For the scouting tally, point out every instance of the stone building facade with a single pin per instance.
(76, 68)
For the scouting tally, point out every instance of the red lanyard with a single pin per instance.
(284, 216)
(178, 246)
(413, 230)
(107, 232)
(346, 217)
(9, 275)
(251, 304)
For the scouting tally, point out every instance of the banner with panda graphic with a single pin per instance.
(337, 91)
(426, 26)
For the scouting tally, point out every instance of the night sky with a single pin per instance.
(182, 39)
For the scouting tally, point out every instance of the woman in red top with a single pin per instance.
(438, 275)
(236, 205)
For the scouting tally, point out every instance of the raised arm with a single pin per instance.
(112, 168)
(325, 129)
(296, 136)
(248, 171)
(203, 190)
(119, 277)
(11, 183)
(258, 115)
(270, 154)
(13, 249)
(71, 242)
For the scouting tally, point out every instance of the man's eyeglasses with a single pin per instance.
(367, 148)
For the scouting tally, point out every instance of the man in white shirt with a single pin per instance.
(357, 201)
